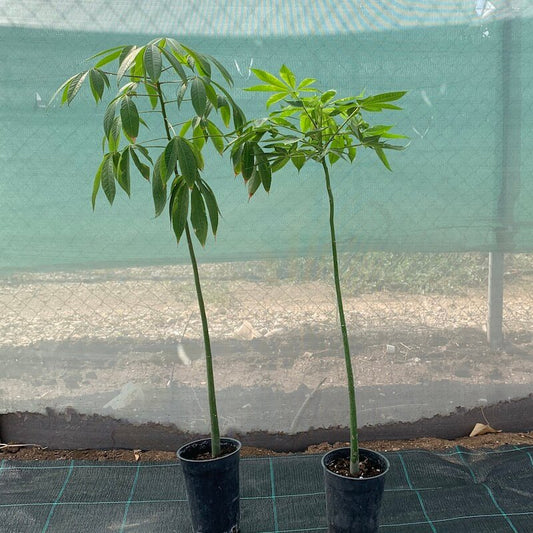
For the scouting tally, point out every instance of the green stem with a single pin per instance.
(213, 416)
(354, 440)
(215, 431)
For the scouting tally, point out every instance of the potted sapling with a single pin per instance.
(317, 126)
(173, 90)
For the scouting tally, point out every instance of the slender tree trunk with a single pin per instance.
(354, 440)
(213, 415)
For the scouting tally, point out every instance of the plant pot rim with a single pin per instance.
(358, 479)
(229, 440)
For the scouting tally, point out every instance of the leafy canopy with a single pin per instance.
(310, 125)
(167, 78)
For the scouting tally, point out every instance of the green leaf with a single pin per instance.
(327, 96)
(159, 189)
(275, 98)
(306, 82)
(352, 152)
(267, 89)
(239, 119)
(247, 160)
(127, 62)
(298, 160)
(268, 78)
(185, 128)
(168, 162)
(143, 150)
(153, 62)
(124, 170)
(181, 93)
(96, 183)
(382, 156)
(253, 184)
(74, 86)
(198, 215)
(211, 202)
(108, 178)
(141, 167)
(187, 160)
(224, 108)
(114, 134)
(198, 138)
(263, 167)
(152, 94)
(104, 52)
(376, 130)
(236, 158)
(225, 74)
(202, 65)
(211, 94)
(333, 157)
(385, 97)
(109, 117)
(97, 83)
(180, 208)
(216, 136)
(176, 65)
(287, 76)
(279, 163)
(130, 117)
(198, 96)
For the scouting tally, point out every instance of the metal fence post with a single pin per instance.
(511, 94)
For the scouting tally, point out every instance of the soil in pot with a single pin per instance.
(367, 467)
(201, 451)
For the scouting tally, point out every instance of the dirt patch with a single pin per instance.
(488, 441)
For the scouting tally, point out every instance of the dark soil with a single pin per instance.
(367, 468)
(202, 451)
(29, 452)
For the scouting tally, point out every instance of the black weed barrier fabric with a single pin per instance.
(456, 490)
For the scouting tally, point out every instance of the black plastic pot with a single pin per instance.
(212, 486)
(353, 503)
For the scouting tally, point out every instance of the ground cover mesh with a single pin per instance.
(454, 490)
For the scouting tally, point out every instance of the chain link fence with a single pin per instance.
(99, 312)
